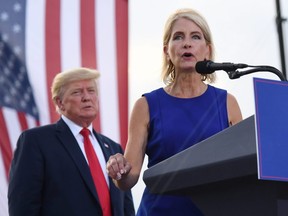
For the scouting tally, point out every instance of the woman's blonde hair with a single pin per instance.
(168, 70)
(61, 80)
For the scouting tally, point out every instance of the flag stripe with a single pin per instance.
(88, 42)
(35, 56)
(70, 31)
(3, 190)
(52, 47)
(12, 125)
(122, 63)
(106, 59)
(5, 146)
(22, 120)
(88, 52)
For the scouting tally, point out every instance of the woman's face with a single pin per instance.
(186, 46)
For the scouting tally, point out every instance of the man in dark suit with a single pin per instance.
(49, 173)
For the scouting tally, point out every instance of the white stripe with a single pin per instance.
(13, 125)
(70, 34)
(30, 121)
(3, 189)
(106, 62)
(35, 55)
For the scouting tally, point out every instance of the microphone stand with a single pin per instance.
(236, 74)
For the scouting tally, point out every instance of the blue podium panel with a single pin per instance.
(271, 121)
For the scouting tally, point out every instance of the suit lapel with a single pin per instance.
(70, 144)
(104, 146)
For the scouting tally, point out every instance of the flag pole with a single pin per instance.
(279, 21)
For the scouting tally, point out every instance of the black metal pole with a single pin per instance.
(279, 21)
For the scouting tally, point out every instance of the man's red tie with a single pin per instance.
(97, 174)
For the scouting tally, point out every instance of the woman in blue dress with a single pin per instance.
(170, 119)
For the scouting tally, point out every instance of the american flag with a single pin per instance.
(39, 38)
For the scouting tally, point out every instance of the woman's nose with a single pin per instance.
(187, 45)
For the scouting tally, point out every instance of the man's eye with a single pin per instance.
(91, 90)
(75, 92)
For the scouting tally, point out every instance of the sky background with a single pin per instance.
(243, 32)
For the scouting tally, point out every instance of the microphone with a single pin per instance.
(209, 67)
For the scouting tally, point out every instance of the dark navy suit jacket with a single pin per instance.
(49, 176)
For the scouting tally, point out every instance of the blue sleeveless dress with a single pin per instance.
(175, 125)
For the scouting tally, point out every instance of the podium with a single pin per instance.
(220, 175)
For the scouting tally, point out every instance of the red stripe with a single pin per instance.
(122, 65)
(22, 120)
(53, 54)
(88, 42)
(37, 122)
(5, 144)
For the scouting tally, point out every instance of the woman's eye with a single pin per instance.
(177, 37)
(196, 37)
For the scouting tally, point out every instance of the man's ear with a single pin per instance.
(59, 103)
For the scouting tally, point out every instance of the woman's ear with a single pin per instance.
(165, 50)
(208, 54)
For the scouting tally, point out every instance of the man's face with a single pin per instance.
(80, 102)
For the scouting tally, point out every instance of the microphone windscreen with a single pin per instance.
(202, 67)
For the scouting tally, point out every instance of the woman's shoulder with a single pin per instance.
(152, 97)
(153, 92)
(217, 90)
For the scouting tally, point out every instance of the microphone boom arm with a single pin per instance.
(236, 74)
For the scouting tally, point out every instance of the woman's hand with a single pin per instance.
(117, 166)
